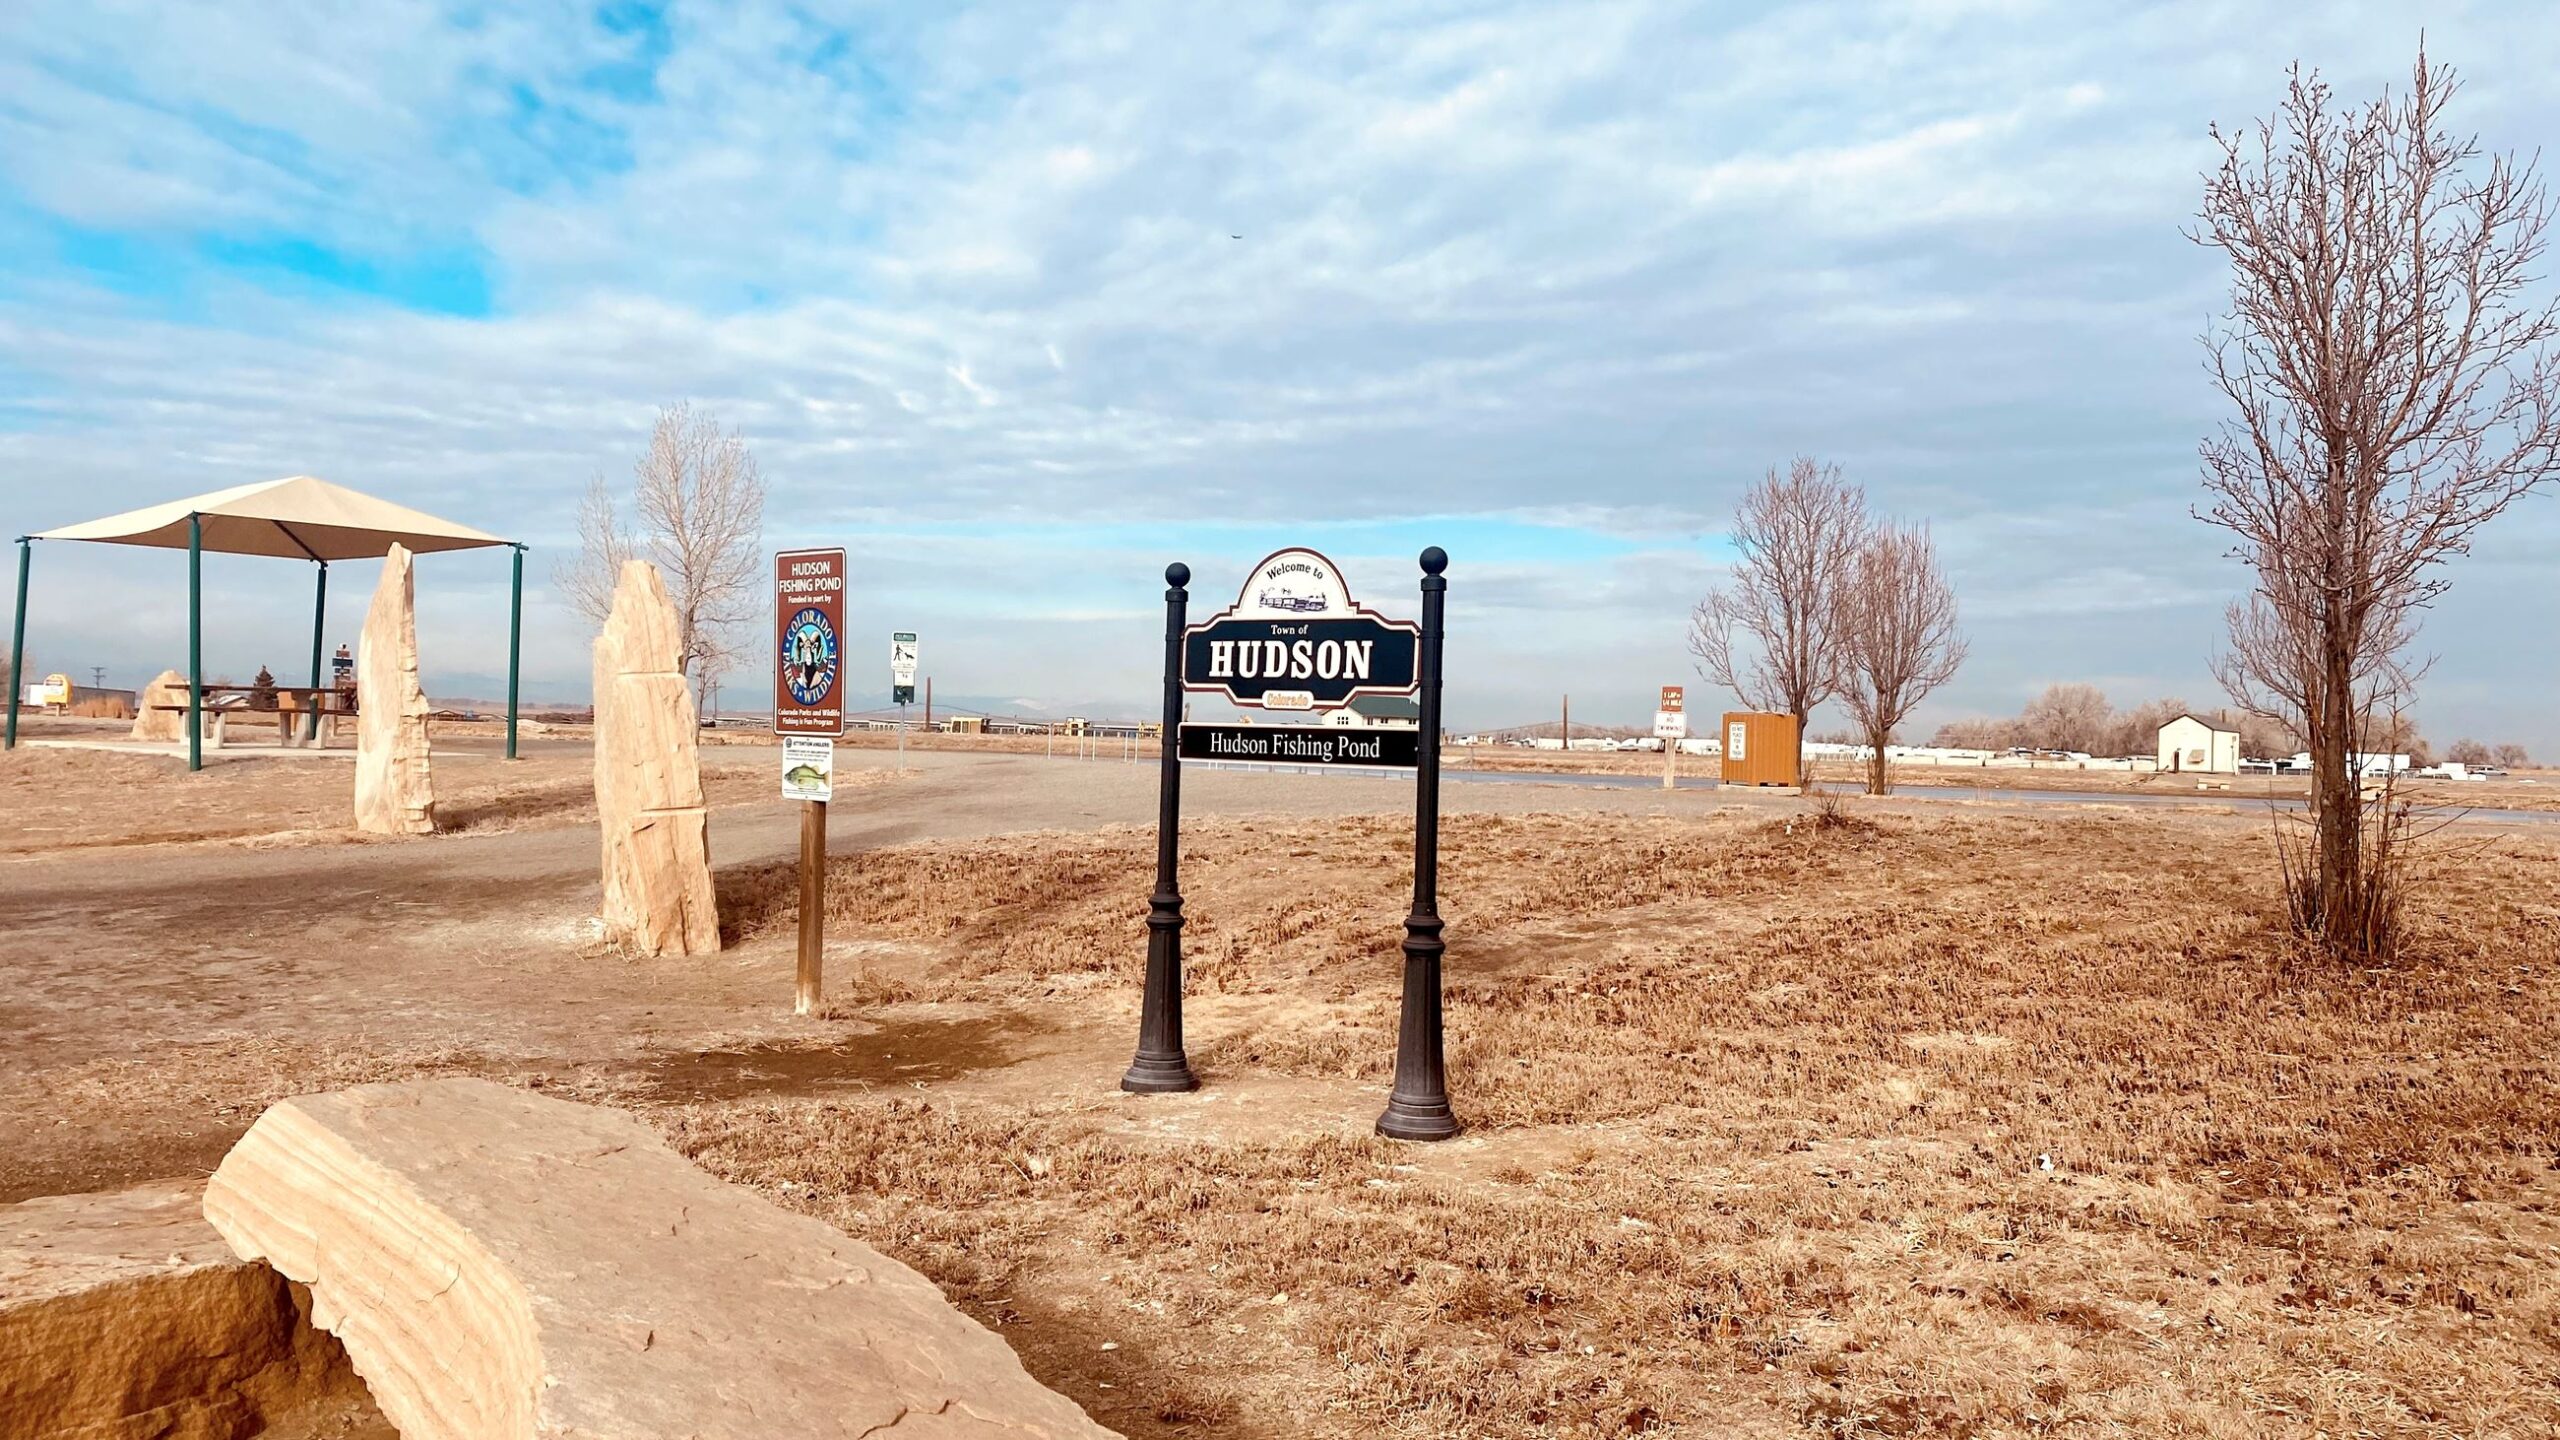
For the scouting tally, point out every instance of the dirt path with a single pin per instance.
(156, 993)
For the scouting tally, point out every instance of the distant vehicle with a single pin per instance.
(1299, 603)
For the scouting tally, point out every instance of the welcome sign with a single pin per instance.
(1295, 640)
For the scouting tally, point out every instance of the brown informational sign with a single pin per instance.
(808, 653)
(1671, 714)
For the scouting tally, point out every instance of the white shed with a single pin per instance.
(2188, 743)
(1391, 712)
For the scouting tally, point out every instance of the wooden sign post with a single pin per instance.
(808, 713)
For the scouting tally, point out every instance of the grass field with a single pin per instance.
(1916, 1121)
(1959, 1128)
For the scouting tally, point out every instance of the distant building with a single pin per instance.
(2190, 744)
(2367, 766)
(1389, 712)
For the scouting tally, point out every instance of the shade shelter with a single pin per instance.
(301, 517)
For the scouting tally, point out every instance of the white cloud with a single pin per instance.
(1600, 262)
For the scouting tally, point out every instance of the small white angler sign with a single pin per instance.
(808, 767)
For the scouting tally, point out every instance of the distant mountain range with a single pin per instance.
(475, 694)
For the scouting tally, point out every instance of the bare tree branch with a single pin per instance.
(604, 542)
(699, 500)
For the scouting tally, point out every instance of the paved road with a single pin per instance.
(2449, 801)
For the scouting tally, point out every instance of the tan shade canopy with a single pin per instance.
(298, 518)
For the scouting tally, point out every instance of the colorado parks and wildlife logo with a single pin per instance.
(809, 654)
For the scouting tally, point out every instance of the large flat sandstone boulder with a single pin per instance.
(656, 832)
(395, 794)
(502, 1265)
(165, 726)
(123, 1316)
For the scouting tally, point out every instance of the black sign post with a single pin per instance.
(1418, 1106)
(1296, 642)
(1160, 1065)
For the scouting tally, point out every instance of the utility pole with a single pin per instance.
(1565, 734)
(928, 703)
(97, 677)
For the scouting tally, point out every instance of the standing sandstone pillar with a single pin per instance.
(657, 843)
(394, 795)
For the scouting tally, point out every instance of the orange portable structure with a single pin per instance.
(1760, 749)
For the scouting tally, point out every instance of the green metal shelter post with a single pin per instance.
(319, 622)
(515, 646)
(195, 642)
(18, 642)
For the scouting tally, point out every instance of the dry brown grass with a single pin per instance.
(54, 800)
(1963, 1127)
(1761, 1115)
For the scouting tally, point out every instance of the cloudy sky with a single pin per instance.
(1020, 302)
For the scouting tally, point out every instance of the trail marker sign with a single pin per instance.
(808, 626)
(902, 667)
(1671, 715)
(1295, 640)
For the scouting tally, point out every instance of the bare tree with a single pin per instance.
(1976, 733)
(698, 500)
(2137, 731)
(1769, 633)
(2512, 756)
(2069, 716)
(604, 542)
(1896, 625)
(2395, 391)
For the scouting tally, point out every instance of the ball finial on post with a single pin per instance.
(1434, 560)
(1177, 574)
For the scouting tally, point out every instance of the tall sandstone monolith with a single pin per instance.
(505, 1266)
(163, 725)
(657, 838)
(394, 793)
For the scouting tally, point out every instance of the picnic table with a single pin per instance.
(296, 708)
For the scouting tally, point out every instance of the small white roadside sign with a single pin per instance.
(808, 767)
